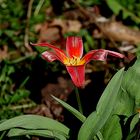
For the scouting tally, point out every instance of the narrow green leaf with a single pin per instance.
(43, 133)
(134, 122)
(76, 113)
(97, 119)
(100, 136)
(2, 135)
(34, 122)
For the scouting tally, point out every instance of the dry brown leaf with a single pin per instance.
(67, 25)
(52, 31)
(49, 107)
(40, 110)
(119, 32)
(4, 52)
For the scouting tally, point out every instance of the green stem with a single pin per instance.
(78, 100)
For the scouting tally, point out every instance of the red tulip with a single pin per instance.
(74, 62)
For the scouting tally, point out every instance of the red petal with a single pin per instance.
(47, 45)
(59, 54)
(112, 53)
(50, 56)
(77, 74)
(100, 54)
(74, 47)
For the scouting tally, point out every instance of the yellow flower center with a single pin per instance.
(75, 61)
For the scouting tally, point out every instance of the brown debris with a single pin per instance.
(41, 109)
(119, 32)
(113, 30)
(4, 53)
(49, 107)
(61, 91)
(53, 31)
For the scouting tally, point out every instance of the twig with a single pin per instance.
(26, 37)
(18, 107)
(22, 106)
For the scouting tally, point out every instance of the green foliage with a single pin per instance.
(11, 97)
(120, 98)
(97, 119)
(43, 133)
(130, 83)
(115, 115)
(13, 21)
(89, 2)
(35, 125)
(14, 97)
(76, 113)
(8, 94)
(110, 131)
(127, 104)
(128, 8)
(8, 11)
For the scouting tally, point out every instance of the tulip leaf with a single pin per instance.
(43, 133)
(127, 104)
(98, 118)
(35, 122)
(112, 129)
(130, 84)
(76, 113)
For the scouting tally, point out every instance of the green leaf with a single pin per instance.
(134, 122)
(112, 129)
(97, 119)
(128, 102)
(76, 113)
(131, 85)
(44, 133)
(35, 122)
(100, 136)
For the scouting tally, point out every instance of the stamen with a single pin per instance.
(75, 61)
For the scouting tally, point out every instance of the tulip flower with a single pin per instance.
(73, 60)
